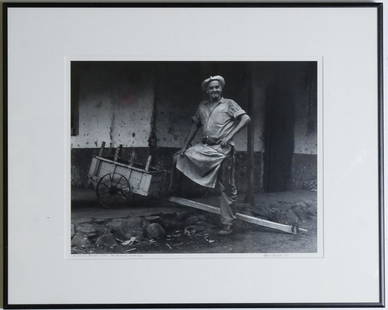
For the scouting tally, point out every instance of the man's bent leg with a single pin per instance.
(226, 205)
(228, 192)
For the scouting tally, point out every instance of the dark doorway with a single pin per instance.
(279, 127)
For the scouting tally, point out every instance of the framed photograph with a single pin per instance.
(193, 155)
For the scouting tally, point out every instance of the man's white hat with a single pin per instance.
(218, 78)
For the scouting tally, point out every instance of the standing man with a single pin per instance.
(211, 162)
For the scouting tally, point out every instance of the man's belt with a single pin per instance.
(209, 141)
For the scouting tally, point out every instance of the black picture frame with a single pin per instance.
(377, 6)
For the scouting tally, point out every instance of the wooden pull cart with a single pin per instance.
(115, 180)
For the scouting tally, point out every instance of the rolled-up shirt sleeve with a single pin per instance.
(234, 110)
(196, 118)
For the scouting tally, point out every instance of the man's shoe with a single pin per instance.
(226, 230)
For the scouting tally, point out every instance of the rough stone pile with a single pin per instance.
(131, 234)
(291, 213)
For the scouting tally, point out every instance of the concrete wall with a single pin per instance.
(304, 162)
(115, 105)
(178, 94)
(306, 113)
(259, 86)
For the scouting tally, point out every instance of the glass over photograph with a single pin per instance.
(193, 157)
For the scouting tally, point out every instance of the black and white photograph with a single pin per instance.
(193, 157)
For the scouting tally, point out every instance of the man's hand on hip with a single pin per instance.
(180, 152)
(225, 141)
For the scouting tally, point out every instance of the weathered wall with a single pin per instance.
(178, 94)
(115, 105)
(303, 170)
(306, 112)
(304, 161)
(259, 85)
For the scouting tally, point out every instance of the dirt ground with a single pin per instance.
(145, 226)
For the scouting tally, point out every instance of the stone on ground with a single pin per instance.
(80, 240)
(86, 228)
(106, 240)
(125, 228)
(155, 231)
(195, 219)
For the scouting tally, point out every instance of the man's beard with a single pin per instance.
(215, 96)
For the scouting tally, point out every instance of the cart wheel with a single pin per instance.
(113, 189)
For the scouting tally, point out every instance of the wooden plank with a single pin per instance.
(132, 158)
(246, 218)
(128, 166)
(148, 164)
(117, 153)
(101, 151)
(93, 166)
(195, 204)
